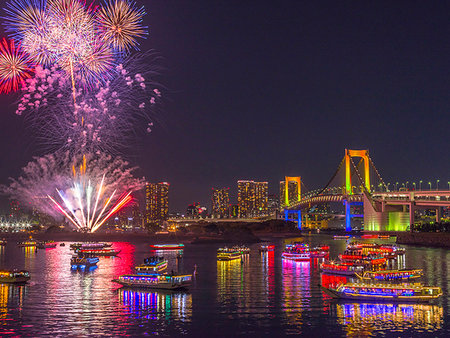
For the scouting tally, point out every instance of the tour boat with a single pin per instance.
(28, 243)
(82, 261)
(339, 237)
(166, 246)
(99, 252)
(335, 268)
(90, 245)
(46, 245)
(322, 251)
(226, 254)
(391, 275)
(155, 281)
(297, 252)
(266, 248)
(14, 276)
(358, 256)
(242, 249)
(403, 292)
(152, 265)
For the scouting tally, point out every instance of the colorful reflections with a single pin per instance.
(154, 305)
(296, 290)
(363, 319)
(268, 265)
(11, 297)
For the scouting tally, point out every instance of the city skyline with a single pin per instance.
(268, 93)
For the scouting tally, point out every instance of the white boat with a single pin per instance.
(155, 281)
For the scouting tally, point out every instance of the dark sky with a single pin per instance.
(263, 89)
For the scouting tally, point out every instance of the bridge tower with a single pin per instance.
(349, 154)
(293, 215)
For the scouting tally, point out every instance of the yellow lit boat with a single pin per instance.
(14, 276)
(225, 254)
(403, 292)
(391, 275)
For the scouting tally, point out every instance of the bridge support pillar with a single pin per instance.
(348, 216)
(411, 215)
(294, 216)
(438, 214)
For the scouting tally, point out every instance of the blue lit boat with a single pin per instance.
(155, 281)
(83, 261)
(403, 292)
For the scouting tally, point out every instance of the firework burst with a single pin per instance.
(15, 66)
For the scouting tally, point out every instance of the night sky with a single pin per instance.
(263, 89)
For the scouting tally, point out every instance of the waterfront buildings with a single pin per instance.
(220, 201)
(156, 201)
(252, 198)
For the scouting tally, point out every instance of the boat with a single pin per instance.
(90, 245)
(369, 236)
(244, 250)
(403, 292)
(62, 244)
(384, 236)
(339, 268)
(391, 275)
(3, 242)
(99, 252)
(167, 246)
(357, 256)
(339, 237)
(46, 245)
(14, 276)
(266, 248)
(28, 243)
(227, 254)
(152, 265)
(321, 251)
(155, 281)
(83, 261)
(297, 252)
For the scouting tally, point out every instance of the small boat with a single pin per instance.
(2, 242)
(403, 292)
(336, 268)
(384, 236)
(46, 245)
(152, 265)
(226, 254)
(339, 237)
(155, 281)
(62, 244)
(266, 248)
(167, 246)
(391, 275)
(14, 276)
(99, 252)
(82, 261)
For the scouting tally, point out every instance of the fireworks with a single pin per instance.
(14, 66)
(120, 22)
(89, 187)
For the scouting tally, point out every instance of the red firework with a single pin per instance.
(15, 66)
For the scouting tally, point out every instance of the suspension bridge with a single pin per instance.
(360, 185)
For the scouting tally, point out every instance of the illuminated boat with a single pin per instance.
(152, 265)
(391, 275)
(369, 236)
(3, 242)
(46, 245)
(339, 237)
(335, 268)
(297, 252)
(322, 251)
(28, 243)
(242, 249)
(384, 236)
(266, 248)
(155, 281)
(358, 256)
(167, 246)
(403, 292)
(14, 276)
(226, 254)
(90, 245)
(82, 261)
(99, 252)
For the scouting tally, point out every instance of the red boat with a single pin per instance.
(297, 252)
(322, 251)
(341, 268)
(167, 246)
(266, 248)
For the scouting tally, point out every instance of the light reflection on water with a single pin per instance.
(262, 295)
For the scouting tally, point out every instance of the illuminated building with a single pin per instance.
(220, 201)
(252, 198)
(156, 201)
(234, 210)
(273, 205)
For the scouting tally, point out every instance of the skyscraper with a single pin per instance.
(252, 198)
(156, 201)
(220, 201)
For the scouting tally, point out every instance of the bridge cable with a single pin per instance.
(332, 178)
(376, 171)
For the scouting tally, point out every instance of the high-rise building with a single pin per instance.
(156, 201)
(220, 201)
(252, 198)
(293, 193)
(273, 204)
